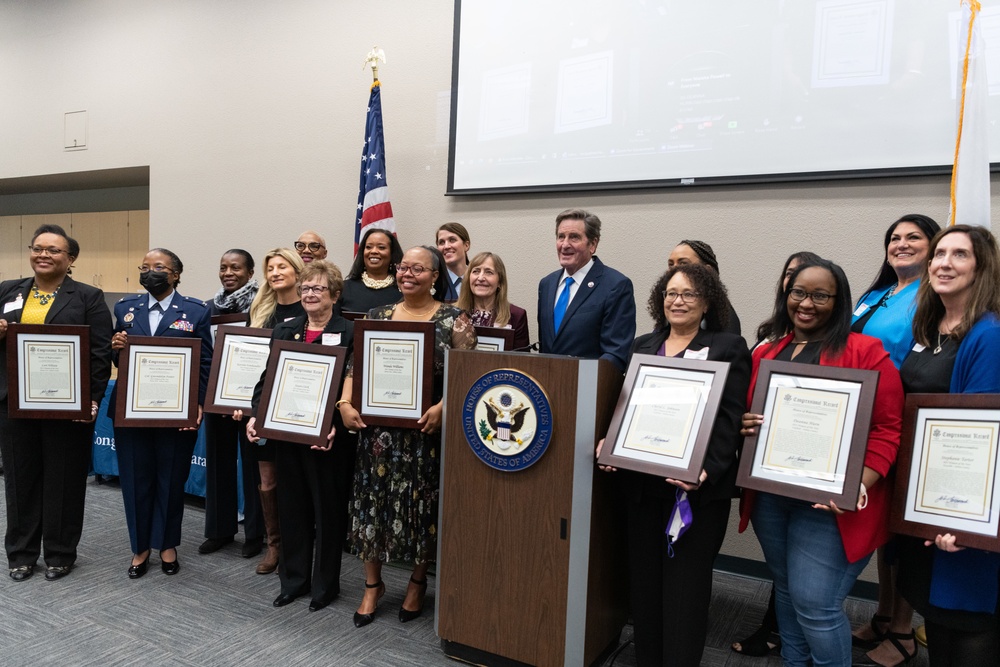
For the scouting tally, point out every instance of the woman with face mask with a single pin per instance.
(154, 462)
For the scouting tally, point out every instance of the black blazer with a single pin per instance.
(723, 449)
(76, 303)
(295, 330)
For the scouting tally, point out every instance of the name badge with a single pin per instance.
(16, 304)
(701, 354)
(331, 339)
(860, 310)
(918, 348)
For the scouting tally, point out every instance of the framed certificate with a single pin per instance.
(301, 387)
(393, 371)
(494, 339)
(663, 421)
(232, 319)
(48, 371)
(812, 443)
(158, 382)
(947, 475)
(239, 360)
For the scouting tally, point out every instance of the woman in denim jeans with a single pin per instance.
(816, 551)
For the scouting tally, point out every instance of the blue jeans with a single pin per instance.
(805, 554)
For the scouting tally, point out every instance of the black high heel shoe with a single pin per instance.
(405, 615)
(136, 571)
(361, 620)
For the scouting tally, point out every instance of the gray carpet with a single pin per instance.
(217, 611)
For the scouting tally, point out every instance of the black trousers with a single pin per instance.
(949, 647)
(222, 437)
(313, 491)
(46, 463)
(670, 596)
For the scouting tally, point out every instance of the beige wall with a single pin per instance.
(250, 116)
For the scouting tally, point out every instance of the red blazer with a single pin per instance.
(864, 531)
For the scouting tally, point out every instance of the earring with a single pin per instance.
(433, 291)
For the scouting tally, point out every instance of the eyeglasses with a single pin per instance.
(818, 298)
(158, 267)
(314, 247)
(414, 269)
(51, 252)
(686, 297)
(314, 289)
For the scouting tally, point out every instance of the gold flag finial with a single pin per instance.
(371, 60)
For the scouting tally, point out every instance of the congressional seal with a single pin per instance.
(507, 420)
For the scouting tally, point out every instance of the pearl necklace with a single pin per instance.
(372, 283)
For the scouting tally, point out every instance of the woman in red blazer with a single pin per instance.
(816, 552)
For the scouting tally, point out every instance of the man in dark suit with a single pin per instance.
(586, 309)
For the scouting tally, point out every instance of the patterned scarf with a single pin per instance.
(237, 301)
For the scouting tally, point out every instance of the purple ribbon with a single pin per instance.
(680, 520)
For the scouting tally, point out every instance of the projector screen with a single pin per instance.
(589, 94)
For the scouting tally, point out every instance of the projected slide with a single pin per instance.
(639, 92)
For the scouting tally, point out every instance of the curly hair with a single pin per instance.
(709, 287)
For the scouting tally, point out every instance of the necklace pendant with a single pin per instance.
(937, 349)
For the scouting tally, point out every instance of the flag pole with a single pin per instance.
(371, 60)
(374, 208)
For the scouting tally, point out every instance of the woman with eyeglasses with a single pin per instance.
(885, 311)
(956, 327)
(316, 480)
(47, 460)
(277, 301)
(484, 296)
(396, 474)
(372, 280)
(154, 462)
(816, 551)
(311, 247)
(670, 573)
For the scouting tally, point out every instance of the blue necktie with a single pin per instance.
(562, 303)
(155, 315)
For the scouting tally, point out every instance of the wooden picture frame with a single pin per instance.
(231, 319)
(301, 387)
(48, 371)
(812, 444)
(227, 385)
(662, 424)
(172, 399)
(403, 391)
(494, 339)
(947, 470)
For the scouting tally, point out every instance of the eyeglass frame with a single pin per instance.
(823, 300)
(401, 269)
(313, 289)
(312, 246)
(694, 296)
(37, 251)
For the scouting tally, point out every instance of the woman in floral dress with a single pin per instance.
(395, 500)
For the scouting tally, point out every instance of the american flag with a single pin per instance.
(374, 209)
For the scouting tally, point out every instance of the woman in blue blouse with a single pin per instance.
(885, 311)
(957, 350)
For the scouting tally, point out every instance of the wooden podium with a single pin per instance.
(531, 564)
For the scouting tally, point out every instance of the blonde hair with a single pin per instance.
(266, 300)
(500, 304)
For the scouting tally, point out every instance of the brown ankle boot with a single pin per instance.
(269, 503)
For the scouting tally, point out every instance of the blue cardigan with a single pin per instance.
(970, 579)
(893, 322)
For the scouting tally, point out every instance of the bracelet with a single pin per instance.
(338, 403)
(864, 494)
